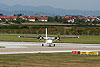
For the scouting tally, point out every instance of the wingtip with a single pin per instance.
(18, 36)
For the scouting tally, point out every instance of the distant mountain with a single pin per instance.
(47, 10)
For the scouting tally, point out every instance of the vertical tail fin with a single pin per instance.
(46, 34)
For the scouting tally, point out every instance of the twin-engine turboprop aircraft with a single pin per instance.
(48, 40)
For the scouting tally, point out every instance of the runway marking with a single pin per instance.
(44, 51)
(22, 45)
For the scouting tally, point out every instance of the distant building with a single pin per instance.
(98, 19)
(43, 19)
(93, 19)
(1, 17)
(23, 17)
(68, 17)
(7, 18)
(31, 18)
(71, 20)
(14, 17)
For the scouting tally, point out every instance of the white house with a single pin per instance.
(43, 19)
(32, 18)
(71, 20)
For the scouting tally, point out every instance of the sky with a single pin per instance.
(64, 4)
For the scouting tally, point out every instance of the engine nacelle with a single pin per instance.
(40, 38)
(57, 38)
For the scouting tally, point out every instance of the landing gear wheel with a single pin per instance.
(54, 45)
(42, 45)
(49, 45)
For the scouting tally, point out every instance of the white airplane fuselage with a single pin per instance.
(49, 41)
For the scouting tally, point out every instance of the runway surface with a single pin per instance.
(32, 47)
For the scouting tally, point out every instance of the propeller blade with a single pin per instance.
(40, 37)
(57, 38)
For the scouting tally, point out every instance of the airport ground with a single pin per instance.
(85, 39)
(65, 59)
(49, 60)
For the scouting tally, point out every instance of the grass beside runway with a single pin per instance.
(2, 47)
(49, 60)
(83, 39)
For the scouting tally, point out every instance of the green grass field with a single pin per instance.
(49, 60)
(83, 39)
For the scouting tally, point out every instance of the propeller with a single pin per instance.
(57, 38)
(40, 37)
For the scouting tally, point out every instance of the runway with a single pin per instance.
(33, 47)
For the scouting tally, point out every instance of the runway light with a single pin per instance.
(75, 52)
(84, 53)
(89, 53)
(93, 53)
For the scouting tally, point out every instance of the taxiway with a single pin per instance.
(33, 47)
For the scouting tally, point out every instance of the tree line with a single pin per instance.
(51, 30)
(55, 19)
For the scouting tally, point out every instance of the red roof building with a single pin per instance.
(67, 17)
(23, 17)
(2, 16)
(31, 18)
(14, 17)
(7, 18)
(43, 19)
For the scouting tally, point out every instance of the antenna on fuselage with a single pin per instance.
(46, 33)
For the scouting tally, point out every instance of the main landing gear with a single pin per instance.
(42, 45)
(50, 45)
(54, 45)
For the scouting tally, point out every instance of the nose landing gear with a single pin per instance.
(42, 45)
(54, 45)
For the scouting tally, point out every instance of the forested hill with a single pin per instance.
(47, 10)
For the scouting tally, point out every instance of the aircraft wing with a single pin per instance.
(69, 37)
(58, 38)
(27, 37)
